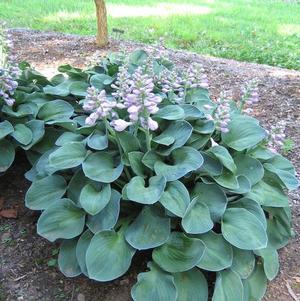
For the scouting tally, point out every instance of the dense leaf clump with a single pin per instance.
(124, 159)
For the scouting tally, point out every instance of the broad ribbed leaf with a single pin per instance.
(196, 219)
(108, 256)
(37, 128)
(42, 193)
(67, 156)
(243, 229)
(217, 253)
(228, 287)
(171, 112)
(135, 160)
(244, 132)
(268, 195)
(191, 286)
(175, 198)
(100, 166)
(249, 167)
(94, 197)
(81, 248)
(243, 262)
(55, 110)
(98, 141)
(154, 285)
(5, 129)
(256, 284)
(186, 159)
(173, 137)
(192, 112)
(149, 230)
(137, 191)
(7, 157)
(213, 197)
(228, 180)
(77, 182)
(224, 156)
(180, 253)
(270, 261)
(79, 88)
(211, 166)
(67, 260)
(61, 220)
(107, 218)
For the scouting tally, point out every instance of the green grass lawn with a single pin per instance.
(262, 31)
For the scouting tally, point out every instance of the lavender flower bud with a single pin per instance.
(120, 125)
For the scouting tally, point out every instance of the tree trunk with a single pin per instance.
(102, 35)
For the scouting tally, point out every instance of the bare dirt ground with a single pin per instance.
(27, 261)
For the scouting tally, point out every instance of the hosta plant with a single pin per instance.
(136, 157)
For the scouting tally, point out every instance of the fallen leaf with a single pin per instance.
(9, 213)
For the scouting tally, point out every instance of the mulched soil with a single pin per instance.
(26, 260)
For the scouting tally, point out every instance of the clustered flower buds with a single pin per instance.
(276, 136)
(9, 73)
(178, 82)
(249, 96)
(133, 93)
(221, 114)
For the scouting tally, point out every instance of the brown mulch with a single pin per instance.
(26, 260)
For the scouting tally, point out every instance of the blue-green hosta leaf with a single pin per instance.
(81, 248)
(37, 128)
(270, 261)
(107, 218)
(7, 157)
(150, 158)
(67, 156)
(135, 160)
(42, 193)
(137, 191)
(67, 137)
(77, 182)
(94, 197)
(175, 198)
(249, 167)
(243, 229)
(23, 110)
(5, 129)
(244, 132)
(180, 253)
(138, 57)
(99, 81)
(55, 110)
(185, 159)
(68, 124)
(199, 97)
(198, 141)
(256, 284)
(98, 141)
(213, 197)
(191, 286)
(243, 262)
(228, 180)
(79, 88)
(173, 137)
(218, 253)
(244, 185)
(62, 219)
(253, 207)
(108, 255)
(228, 287)
(22, 134)
(171, 112)
(149, 230)
(224, 156)
(211, 166)
(128, 141)
(191, 112)
(67, 260)
(203, 126)
(261, 153)
(61, 89)
(100, 166)
(279, 227)
(268, 195)
(154, 285)
(196, 219)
